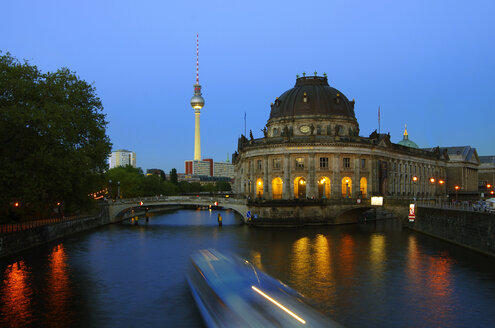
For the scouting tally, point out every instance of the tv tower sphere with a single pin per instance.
(197, 102)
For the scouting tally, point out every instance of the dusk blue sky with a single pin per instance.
(427, 64)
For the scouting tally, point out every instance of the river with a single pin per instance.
(374, 274)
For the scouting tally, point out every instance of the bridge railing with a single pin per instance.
(462, 206)
(159, 199)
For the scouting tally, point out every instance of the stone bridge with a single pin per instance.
(122, 209)
(324, 211)
(269, 212)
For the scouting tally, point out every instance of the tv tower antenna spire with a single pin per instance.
(197, 102)
(197, 58)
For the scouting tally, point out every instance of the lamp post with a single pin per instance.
(414, 179)
(118, 189)
(110, 189)
(456, 192)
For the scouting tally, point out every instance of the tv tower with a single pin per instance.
(197, 102)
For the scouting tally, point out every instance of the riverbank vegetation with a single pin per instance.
(132, 182)
(54, 144)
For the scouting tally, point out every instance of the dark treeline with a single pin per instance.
(131, 182)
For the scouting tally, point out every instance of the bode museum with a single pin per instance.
(312, 149)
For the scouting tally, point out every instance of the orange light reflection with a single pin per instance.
(58, 289)
(16, 296)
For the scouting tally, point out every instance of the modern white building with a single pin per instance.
(122, 157)
(223, 169)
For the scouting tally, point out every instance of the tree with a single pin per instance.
(53, 137)
(223, 186)
(131, 181)
(173, 176)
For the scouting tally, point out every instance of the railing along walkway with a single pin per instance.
(14, 227)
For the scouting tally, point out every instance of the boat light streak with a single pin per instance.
(279, 305)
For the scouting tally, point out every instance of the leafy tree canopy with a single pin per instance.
(53, 137)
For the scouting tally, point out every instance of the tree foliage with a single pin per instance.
(53, 137)
(133, 183)
(173, 176)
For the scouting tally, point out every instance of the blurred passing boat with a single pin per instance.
(231, 292)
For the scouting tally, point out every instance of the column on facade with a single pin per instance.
(252, 180)
(336, 183)
(374, 175)
(245, 177)
(356, 179)
(312, 191)
(266, 179)
(287, 183)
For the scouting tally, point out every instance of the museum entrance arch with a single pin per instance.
(277, 188)
(324, 187)
(363, 187)
(346, 187)
(259, 188)
(299, 187)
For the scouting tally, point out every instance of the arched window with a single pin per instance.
(346, 187)
(324, 187)
(299, 187)
(259, 187)
(277, 188)
(363, 187)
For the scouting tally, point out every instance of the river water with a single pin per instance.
(368, 275)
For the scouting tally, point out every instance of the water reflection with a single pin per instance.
(58, 292)
(16, 296)
(372, 275)
(431, 273)
(377, 257)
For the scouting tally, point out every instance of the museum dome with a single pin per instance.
(406, 142)
(312, 96)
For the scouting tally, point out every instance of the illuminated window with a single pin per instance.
(300, 163)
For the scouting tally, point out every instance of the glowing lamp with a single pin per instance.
(432, 180)
(16, 204)
(415, 178)
(457, 187)
(441, 182)
(488, 185)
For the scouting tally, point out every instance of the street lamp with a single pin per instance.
(347, 188)
(110, 189)
(118, 189)
(456, 192)
(414, 179)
